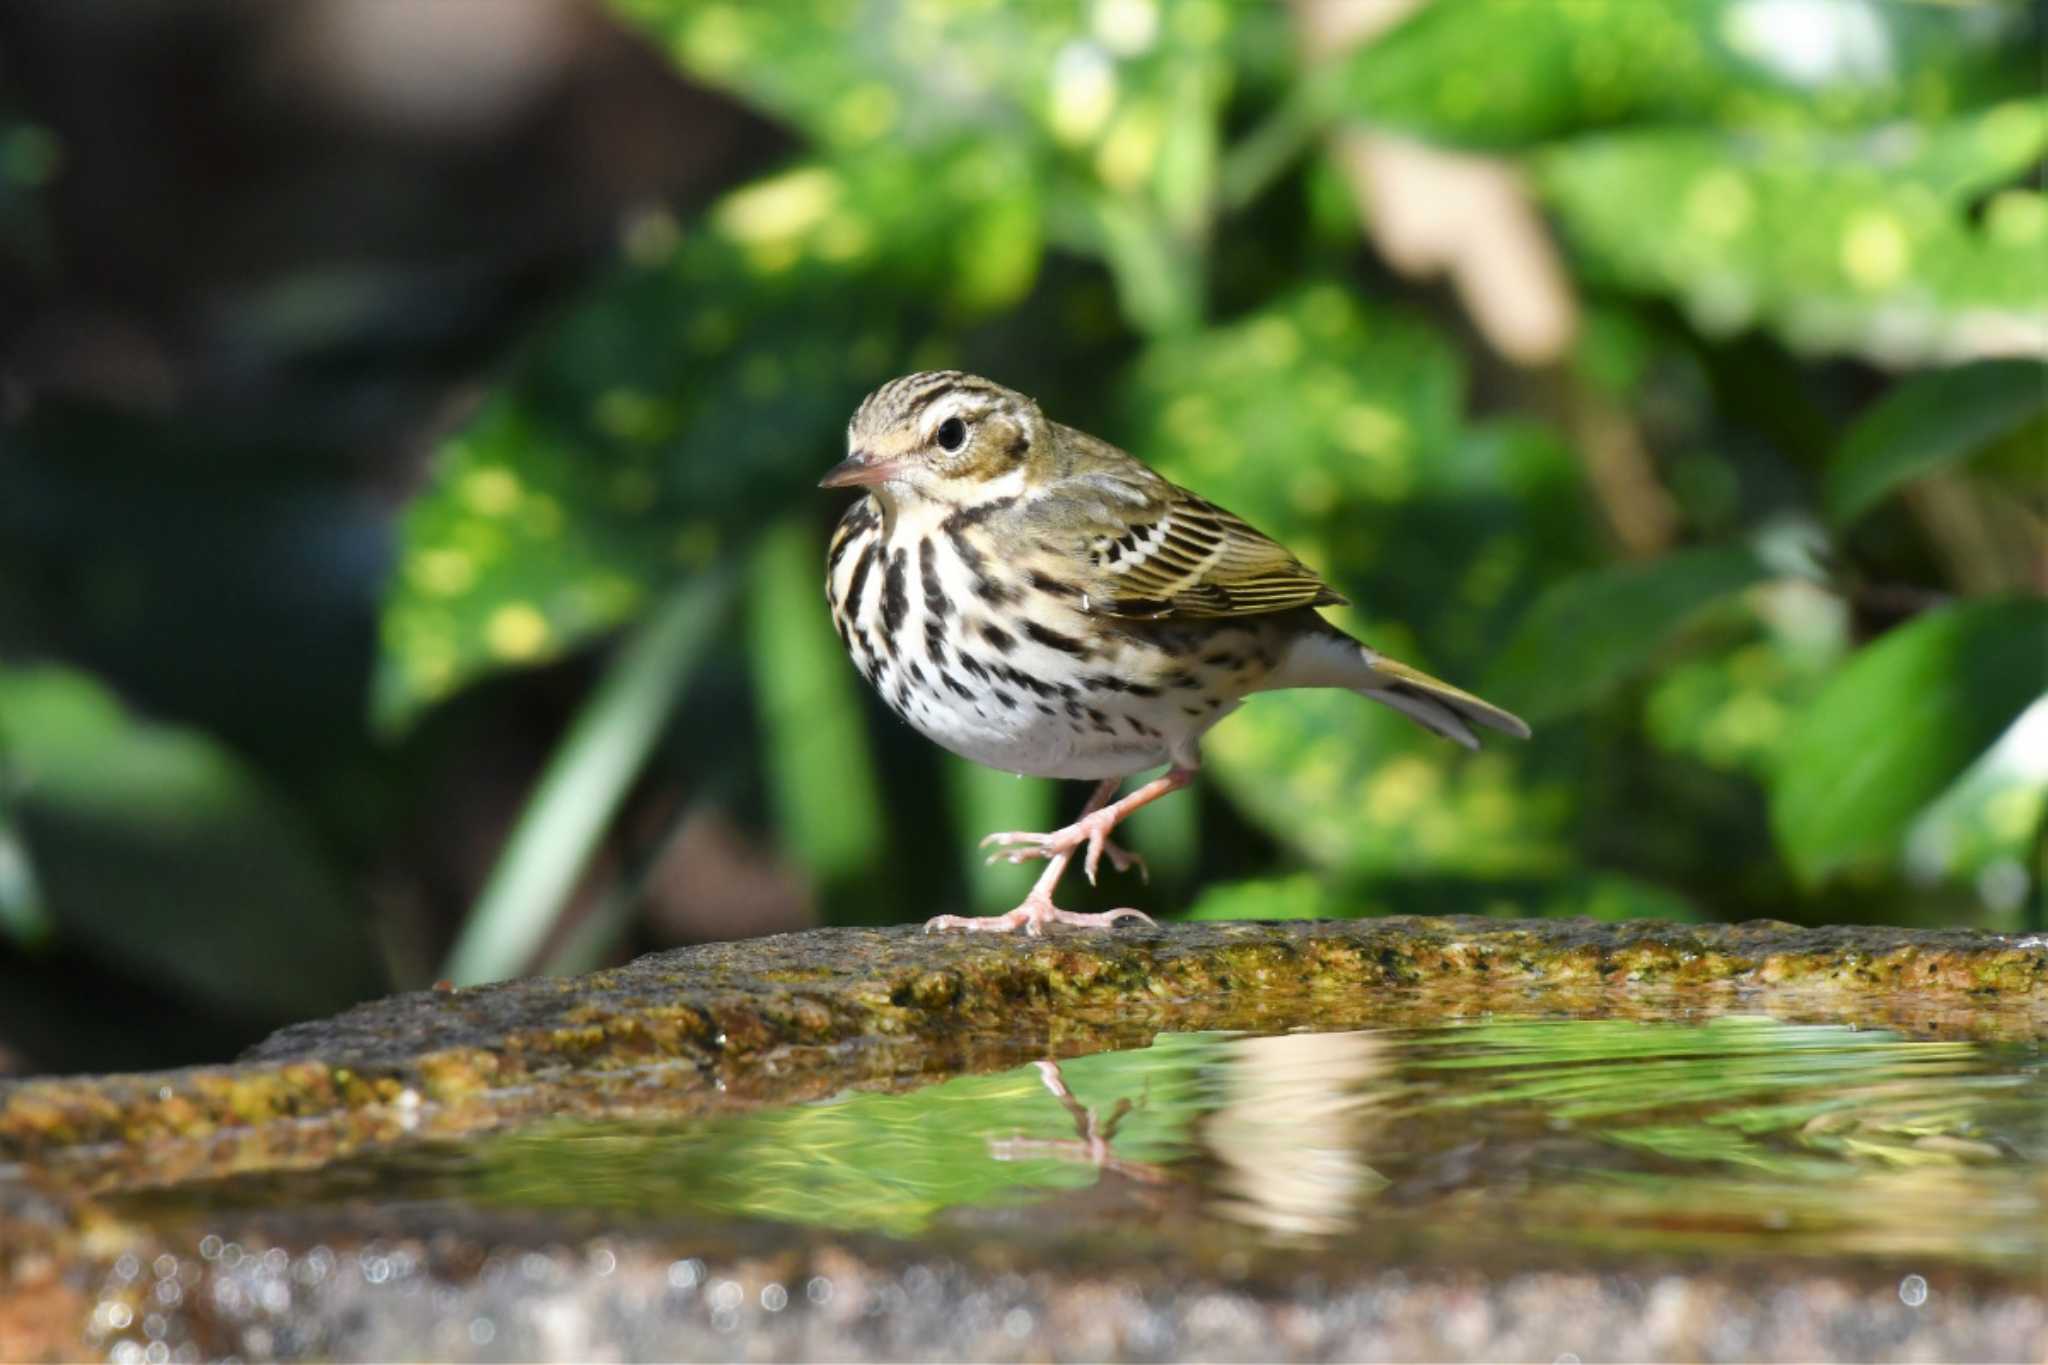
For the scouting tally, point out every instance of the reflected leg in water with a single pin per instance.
(1093, 1135)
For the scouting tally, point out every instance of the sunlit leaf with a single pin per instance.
(1090, 81)
(1899, 723)
(1862, 243)
(1446, 73)
(907, 73)
(169, 855)
(1929, 422)
(1304, 413)
(1739, 62)
(1589, 634)
(517, 554)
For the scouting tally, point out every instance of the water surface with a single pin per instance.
(1737, 1138)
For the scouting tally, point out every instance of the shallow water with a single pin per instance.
(1737, 1139)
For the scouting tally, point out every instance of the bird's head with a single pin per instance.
(942, 436)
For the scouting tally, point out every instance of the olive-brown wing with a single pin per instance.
(1188, 557)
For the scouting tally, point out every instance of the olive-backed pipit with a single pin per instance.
(1035, 599)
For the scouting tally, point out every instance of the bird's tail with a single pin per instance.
(1330, 658)
(1435, 704)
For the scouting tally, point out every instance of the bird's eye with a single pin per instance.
(952, 434)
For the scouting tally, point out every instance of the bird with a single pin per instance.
(1037, 600)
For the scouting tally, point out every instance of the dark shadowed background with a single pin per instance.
(409, 414)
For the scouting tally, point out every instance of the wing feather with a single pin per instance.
(1185, 556)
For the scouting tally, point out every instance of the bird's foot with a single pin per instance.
(1033, 917)
(1091, 830)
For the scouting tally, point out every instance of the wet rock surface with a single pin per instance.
(291, 1204)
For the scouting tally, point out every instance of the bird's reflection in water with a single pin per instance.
(1093, 1135)
(1298, 1112)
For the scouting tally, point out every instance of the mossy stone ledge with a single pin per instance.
(779, 1019)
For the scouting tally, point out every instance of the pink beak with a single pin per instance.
(858, 471)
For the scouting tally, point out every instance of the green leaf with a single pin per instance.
(162, 851)
(909, 74)
(1906, 716)
(1615, 899)
(1863, 244)
(1296, 415)
(1059, 73)
(1927, 422)
(519, 552)
(1589, 634)
(1112, 116)
(1598, 63)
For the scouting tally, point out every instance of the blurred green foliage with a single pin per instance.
(1759, 550)
(1734, 64)
(152, 837)
(1036, 191)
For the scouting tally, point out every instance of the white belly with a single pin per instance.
(1020, 706)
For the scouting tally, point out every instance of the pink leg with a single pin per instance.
(1033, 846)
(1058, 849)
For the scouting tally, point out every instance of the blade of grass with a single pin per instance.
(606, 747)
(821, 775)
